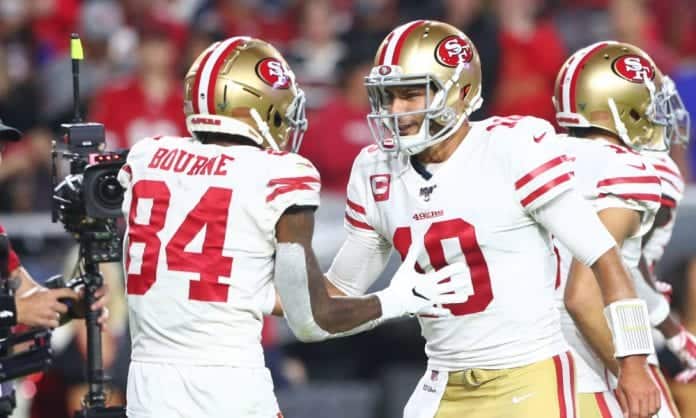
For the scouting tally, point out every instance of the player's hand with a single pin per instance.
(41, 307)
(636, 391)
(683, 345)
(101, 299)
(414, 293)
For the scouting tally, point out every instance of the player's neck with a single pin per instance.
(439, 153)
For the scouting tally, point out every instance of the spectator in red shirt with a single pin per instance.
(149, 103)
(51, 23)
(338, 131)
(531, 53)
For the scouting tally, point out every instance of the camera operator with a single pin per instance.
(34, 305)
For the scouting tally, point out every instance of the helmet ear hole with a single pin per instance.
(464, 91)
(634, 115)
(277, 119)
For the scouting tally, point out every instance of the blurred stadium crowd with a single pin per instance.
(136, 55)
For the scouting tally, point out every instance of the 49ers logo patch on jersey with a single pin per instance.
(380, 184)
(453, 50)
(633, 68)
(273, 73)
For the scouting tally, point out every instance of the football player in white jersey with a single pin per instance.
(489, 194)
(677, 339)
(207, 217)
(615, 103)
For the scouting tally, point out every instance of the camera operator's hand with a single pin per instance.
(41, 307)
(101, 296)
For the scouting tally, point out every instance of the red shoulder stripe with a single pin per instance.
(629, 180)
(290, 184)
(539, 170)
(545, 188)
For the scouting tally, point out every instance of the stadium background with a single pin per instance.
(136, 55)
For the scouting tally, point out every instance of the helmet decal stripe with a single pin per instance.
(206, 71)
(197, 82)
(216, 71)
(402, 40)
(558, 92)
(384, 49)
(573, 72)
(398, 36)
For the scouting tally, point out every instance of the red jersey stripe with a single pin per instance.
(571, 364)
(358, 224)
(668, 201)
(558, 267)
(559, 386)
(539, 170)
(355, 206)
(660, 167)
(602, 405)
(290, 184)
(545, 188)
(663, 388)
(629, 180)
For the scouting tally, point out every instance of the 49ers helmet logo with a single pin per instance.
(273, 73)
(633, 68)
(453, 50)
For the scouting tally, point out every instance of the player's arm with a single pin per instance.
(583, 296)
(313, 314)
(357, 265)
(592, 245)
(341, 314)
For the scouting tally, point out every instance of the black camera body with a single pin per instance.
(88, 201)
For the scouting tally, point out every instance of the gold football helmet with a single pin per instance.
(434, 55)
(243, 86)
(617, 87)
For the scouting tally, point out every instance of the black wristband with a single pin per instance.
(8, 311)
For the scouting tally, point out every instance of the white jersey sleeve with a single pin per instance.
(365, 252)
(672, 194)
(539, 171)
(358, 200)
(294, 181)
(627, 182)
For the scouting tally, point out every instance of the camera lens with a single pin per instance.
(109, 191)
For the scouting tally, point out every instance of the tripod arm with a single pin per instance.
(95, 368)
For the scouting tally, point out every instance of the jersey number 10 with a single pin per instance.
(466, 236)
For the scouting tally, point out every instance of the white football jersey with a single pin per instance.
(477, 208)
(672, 194)
(608, 176)
(200, 244)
